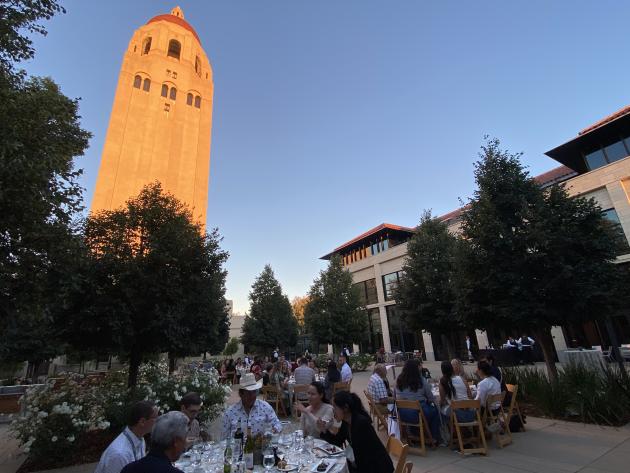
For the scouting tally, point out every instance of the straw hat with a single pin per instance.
(249, 383)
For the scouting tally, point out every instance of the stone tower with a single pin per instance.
(161, 120)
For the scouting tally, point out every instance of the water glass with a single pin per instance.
(268, 459)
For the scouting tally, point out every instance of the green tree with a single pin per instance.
(333, 313)
(231, 347)
(532, 258)
(40, 136)
(299, 304)
(151, 281)
(426, 292)
(270, 322)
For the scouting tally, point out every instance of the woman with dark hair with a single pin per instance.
(413, 387)
(318, 409)
(332, 376)
(365, 451)
(453, 388)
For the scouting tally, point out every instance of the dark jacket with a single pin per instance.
(369, 453)
(154, 462)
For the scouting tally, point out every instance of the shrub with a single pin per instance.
(360, 361)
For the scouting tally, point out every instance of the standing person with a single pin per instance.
(410, 385)
(168, 442)
(332, 376)
(346, 371)
(276, 354)
(527, 347)
(469, 349)
(318, 408)
(129, 446)
(191, 406)
(365, 452)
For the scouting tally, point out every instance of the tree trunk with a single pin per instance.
(134, 365)
(172, 360)
(615, 346)
(543, 336)
(448, 347)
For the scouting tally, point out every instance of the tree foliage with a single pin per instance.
(151, 281)
(333, 314)
(231, 347)
(270, 322)
(299, 304)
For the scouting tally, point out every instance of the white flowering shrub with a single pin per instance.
(57, 415)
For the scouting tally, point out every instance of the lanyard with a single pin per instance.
(133, 446)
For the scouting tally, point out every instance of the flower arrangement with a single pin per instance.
(58, 415)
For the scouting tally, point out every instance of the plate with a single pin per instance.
(330, 450)
(330, 466)
(289, 467)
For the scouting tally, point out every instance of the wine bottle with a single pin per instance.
(238, 442)
(248, 451)
(227, 456)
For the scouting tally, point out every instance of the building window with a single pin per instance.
(173, 95)
(167, 107)
(146, 46)
(198, 66)
(608, 154)
(615, 151)
(198, 102)
(147, 85)
(174, 48)
(189, 99)
(390, 283)
(164, 92)
(137, 82)
(400, 336)
(367, 292)
(612, 216)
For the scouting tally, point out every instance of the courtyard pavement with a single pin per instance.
(548, 446)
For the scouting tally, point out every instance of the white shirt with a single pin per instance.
(486, 387)
(125, 448)
(346, 373)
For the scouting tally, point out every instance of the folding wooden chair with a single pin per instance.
(375, 413)
(399, 450)
(456, 427)
(408, 467)
(340, 386)
(406, 434)
(297, 390)
(513, 388)
(273, 396)
(497, 422)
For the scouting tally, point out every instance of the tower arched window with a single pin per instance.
(137, 82)
(146, 86)
(173, 95)
(164, 92)
(198, 101)
(146, 45)
(198, 66)
(189, 99)
(174, 48)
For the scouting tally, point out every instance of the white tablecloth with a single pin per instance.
(593, 359)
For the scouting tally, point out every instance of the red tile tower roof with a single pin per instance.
(177, 20)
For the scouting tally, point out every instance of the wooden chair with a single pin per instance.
(381, 419)
(340, 386)
(497, 422)
(406, 434)
(513, 388)
(456, 427)
(408, 467)
(273, 396)
(399, 450)
(299, 389)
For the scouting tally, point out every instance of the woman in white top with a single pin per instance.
(488, 385)
(453, 388)
(318, 409)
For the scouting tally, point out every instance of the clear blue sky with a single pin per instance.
(331, 117)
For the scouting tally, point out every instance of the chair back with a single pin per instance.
(297, 390)
(340, 386)
(414, 431)
(476, 424)
(408, 467)
(396, 448)
(514, 407)
(498, 423)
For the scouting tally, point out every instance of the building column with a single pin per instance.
(559, 341)
(330, 349)
(428, 346)
(482, 339)
(355, 348)
(387, 343)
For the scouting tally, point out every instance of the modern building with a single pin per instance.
(161, 119)
(595, 164)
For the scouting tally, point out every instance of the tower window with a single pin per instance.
(173, 93)
(198, 66)
(164, 92)
(198, 101)
(146, 46)
(137, 82)
(189, 99)
(174, 48)
(147, 85)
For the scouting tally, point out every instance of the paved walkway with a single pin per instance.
(548, 446)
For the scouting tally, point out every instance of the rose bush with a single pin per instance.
(58, 414)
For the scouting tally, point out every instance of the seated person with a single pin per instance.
(252, 412)
(332, 376)
(411, 386)
(453, 388)
(168, 442)
(379, 390)
(318, 409)
(191, 406)
(303, 375)
(488, 385)
(266, 374)
(129, 445)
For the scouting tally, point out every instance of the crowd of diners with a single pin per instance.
(340, 419)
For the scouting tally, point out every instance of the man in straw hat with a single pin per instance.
(251, 412)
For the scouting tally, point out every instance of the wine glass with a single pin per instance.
(268, 459)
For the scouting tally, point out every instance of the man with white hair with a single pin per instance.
(168, 442)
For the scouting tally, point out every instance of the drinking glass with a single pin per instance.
(268, 459)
